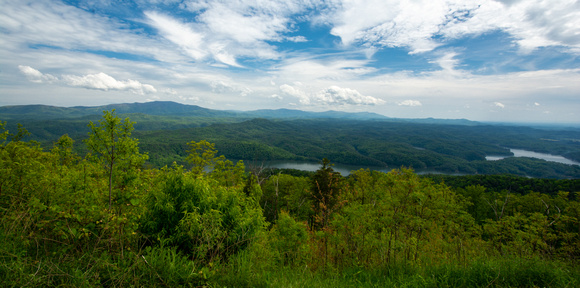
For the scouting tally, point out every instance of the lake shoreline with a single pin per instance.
(345, 170)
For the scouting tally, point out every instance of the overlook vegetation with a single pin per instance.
(104, 217)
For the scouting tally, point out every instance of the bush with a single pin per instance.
(202, 219)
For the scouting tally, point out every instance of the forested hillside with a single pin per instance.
(360, 139)
(104, 218)
(444, 148)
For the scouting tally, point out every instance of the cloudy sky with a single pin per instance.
(488, 60)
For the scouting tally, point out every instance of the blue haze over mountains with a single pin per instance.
(169, 108)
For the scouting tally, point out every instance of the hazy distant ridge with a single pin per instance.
(298, 114)
(151, 108)
(39, 112)
(46, 112)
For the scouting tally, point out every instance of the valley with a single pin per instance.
(356, 139)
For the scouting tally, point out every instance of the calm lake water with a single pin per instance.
(345, 170)
(525, 153)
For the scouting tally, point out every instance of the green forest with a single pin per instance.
(102, 211)
(459, 149)
(357, 139)
(444, 148)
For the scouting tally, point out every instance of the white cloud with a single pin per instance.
(190, 98)
(220, 86)
(335, 70)
(332, 95)
(447, 62)
(228, 30)
(170, 91)
(178, 33)
(411, 103)
(99, 81)
(394, 23)
(418, 25)
(243, 26)
(295, 92)
(498, 104)
(219, 34)
(35, 76)
(536, 104)
(53, 24)
(532, 23)
(296, 39)
(340, 96)
(102, 81)
(277, 97)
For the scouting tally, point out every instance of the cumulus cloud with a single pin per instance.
(34, 75)
(102, 81)
(302, 96)
(276, 97)
(341, 96)
(99, 81)
(332, 95)
(498, 104)
(411, 103)
(223, 87)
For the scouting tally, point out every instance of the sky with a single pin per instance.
(490, 60)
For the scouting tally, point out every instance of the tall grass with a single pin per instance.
(153, 267)
(495, 272)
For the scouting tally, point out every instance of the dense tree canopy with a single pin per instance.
(182, 227)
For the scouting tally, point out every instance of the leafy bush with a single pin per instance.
(202, 219)
(289, 238)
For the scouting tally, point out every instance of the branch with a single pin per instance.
(504, 203)
(559, 214)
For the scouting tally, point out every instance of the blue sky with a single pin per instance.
(509, 60)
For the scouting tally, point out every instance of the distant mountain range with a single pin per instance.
(39, 112)
(298, 114)
(168, 108)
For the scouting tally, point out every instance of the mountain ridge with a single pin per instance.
(170, 108)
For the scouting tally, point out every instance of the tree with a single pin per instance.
(326, 188)
(113, 147)
(4, 133)
(22, 132)
(202, 156)
(63, 148)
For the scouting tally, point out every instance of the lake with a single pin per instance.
(525, 153)
(345, 170)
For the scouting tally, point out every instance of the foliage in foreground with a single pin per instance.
(76, 222)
